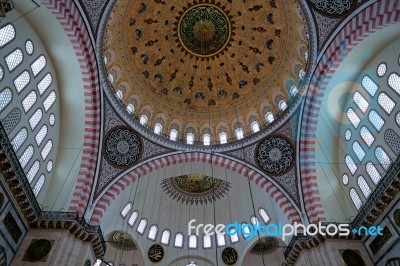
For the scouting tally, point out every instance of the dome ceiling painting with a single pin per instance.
(206, 62)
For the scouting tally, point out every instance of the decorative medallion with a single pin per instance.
(264, 246)
(122, 147)
(330, 7)
(195, 188)
(122, 240)
(352, 258)
(156, 253)
(12, 227)
(229, 256)
(38, 250)
(276, 155)
(396, 217)
(204, 30)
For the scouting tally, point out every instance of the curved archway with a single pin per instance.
(158, 163)
(375, 16)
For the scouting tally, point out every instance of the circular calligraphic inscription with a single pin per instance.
(38, 250)
(122, 147)
(352, 258)
(123, 240)
(265, 245)
(204, 30)
(156, 253)
(276, 155)
(229, 256)
(396, 217)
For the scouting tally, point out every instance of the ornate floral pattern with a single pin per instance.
(275, 155)
(122, 147)
(195, 188)
(333, 7)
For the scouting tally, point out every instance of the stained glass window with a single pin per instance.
(46, 149)
(126, 209)
(44, 83)
(19, 139)
(35, 118)
(153, 232)
(29, 101)
(22, 81)
(376, 120)
(7, 34)
(142, 226)
(373, 173)
(38, 65)
(360, 102)
(165, 237)
(358, 150)
(363, 185)
(382, 157)
(369, 85)
(394, 82)
(26, 156)
(367, 136)
(355, 198)
(48, 102)
(353, 117)
(178, 240)
(386, 103)
(33, 171)
(351, 164)
(192, 241)
(14, 59)
(39, 185)
(5, 98)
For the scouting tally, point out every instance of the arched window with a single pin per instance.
(22, 81)
(255, 127)
(373, 173)
(38, 186)
(353, 117)
(49, 166)
(143, 120)
(119, 94)
(293, 90)
(381, 70)
(38, 65)
(302, 73)
(382, 157)
(239, 133)
(355, 198)
(223, 138)
(376, 120)
(46, 149)
(345, 179)
(158, 128)
(165, 236)
(369, 85)
(130, 108)
(14, 59)
(363, 185)
(153, 232)
(207, 241)
(178, 240)
(173, 134)
(133, 218)
(5, 98)
(351, 164)
(394, 82)
(234, 237)
(254, 220)
(126, 209)
(269, 117)
(206, 139)
(41, 135)
(29, 101)
(189, 138)
(110, 78)
(386, 103)
(367, 136)
(26, 156)
(44, 83)
(35, 118)
(245, 230)
(33, 171)
(142, 226)
(358, 150)
(360, 102)
(48, 102)
(282, 105)
(264, 215)
(19, 139)
(192, 241)
(7, 34)
(221, 240)
(29, 47)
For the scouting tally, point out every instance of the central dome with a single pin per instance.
(204, 67)
(204, 30)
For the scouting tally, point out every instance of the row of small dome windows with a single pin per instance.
(377, 121)
(179, 237)
(206, 139)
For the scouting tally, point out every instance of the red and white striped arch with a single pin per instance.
(70, 19)
(138, 171)
(376, 16)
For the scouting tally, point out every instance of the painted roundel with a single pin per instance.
(122, 147)
(276, 155)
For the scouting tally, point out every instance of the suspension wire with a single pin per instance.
(247, 175)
